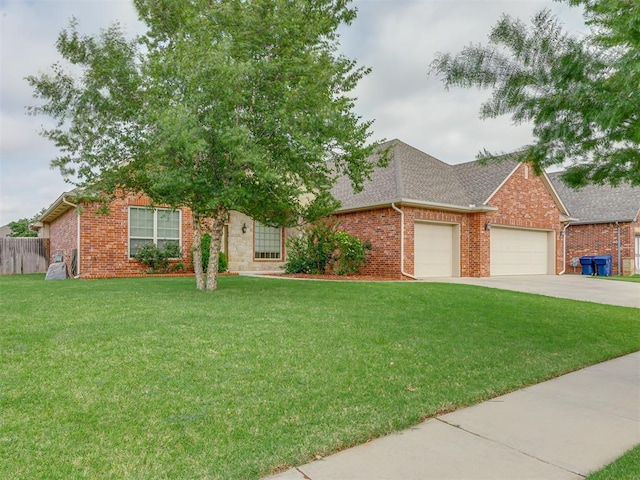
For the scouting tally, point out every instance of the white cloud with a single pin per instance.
(397, 38)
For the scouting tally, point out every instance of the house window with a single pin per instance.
(158, 226)
(267, 243)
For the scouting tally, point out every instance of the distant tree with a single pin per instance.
(20, 228)
(580, 93)
(227, 105)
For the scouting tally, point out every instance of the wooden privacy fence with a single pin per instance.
(24, 255)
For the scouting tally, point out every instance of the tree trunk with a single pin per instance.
(197, 251)
(217, 229)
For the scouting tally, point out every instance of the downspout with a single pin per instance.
(65, 201)
(393, 205)
(564, 248)
(619, 250)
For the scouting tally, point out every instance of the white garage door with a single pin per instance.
(520, 252)
(435, 250)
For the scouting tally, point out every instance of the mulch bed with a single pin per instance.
(344, 278)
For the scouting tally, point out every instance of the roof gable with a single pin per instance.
(481, 181)
(414, 176)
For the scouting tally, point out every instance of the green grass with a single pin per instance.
(627, 467)
(633, 278)
(148, 378)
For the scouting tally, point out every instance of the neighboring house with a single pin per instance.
(426, 218)
(607, 223)
(5, 231)
(95, 245)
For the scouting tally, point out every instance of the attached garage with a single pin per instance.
(436, 250)
(516, 251)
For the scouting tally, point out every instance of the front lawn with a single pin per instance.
(632, 278)
(627, 467)
(148, 378)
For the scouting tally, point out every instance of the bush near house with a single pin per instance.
(157, 259)
(222, 257)
(322, 246)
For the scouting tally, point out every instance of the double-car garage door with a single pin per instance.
(514, 251)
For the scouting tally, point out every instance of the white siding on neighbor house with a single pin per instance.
(436, 251)
(516, 251)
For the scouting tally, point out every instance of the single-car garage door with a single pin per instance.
(521, 252)
(435, 249)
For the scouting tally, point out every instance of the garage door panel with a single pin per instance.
(434, 250)
(519, 251)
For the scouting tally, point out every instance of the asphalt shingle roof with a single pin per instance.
(599, 203)
(415, 175)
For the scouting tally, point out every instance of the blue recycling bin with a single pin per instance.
(587, 265)
(603, 265)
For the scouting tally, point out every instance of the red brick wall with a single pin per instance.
(104, 239)
(63, 234)
(476, 243)
(600, 239)
(524, 201)
(382, 228)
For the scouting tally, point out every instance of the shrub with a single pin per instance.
(351, 253)
(322, 246)
(157, 259)
(222, 262)
(206, 245)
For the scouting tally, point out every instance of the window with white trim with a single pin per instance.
(158, 226)
(267, 244)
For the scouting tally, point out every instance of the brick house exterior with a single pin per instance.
(96, 245)
(496, 219)
(607, 223)
(476, 202)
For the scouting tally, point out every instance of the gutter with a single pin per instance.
(393, 205)
(564, 248)
(619, 250)
(599, 222)
(66, 202)
(419, 203)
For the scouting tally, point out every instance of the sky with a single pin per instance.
(398, 39)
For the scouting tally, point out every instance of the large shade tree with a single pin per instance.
(581, 93)
(221, 105)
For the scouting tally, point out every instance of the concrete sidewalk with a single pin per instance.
(560, 429)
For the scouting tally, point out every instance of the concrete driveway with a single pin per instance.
(576, 287)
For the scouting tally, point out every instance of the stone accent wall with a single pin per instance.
(240, 253)
(600, 239)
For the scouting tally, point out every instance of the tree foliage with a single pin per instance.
(225, 105)
(20, 228)
(322, 246)
(580, 93)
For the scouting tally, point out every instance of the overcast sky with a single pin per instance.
(396, 38)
